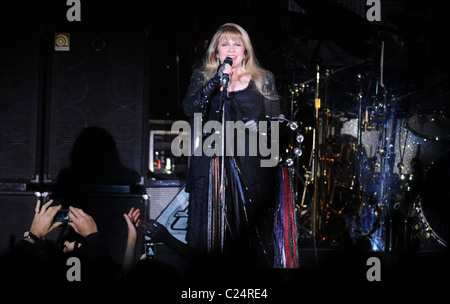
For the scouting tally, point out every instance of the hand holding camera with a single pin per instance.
(43, 222)
(81, 222)
(51, 216)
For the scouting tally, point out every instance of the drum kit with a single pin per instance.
(375, 173)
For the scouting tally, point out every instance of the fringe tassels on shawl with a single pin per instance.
(285, 228)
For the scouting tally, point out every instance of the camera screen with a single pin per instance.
(63, 216)
(150, 250)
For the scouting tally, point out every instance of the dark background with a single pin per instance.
(290, 37)
(283, 32)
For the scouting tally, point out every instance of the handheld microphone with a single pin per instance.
(226, 77)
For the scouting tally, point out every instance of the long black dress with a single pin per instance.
(249, 218)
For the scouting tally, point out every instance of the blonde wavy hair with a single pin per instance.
(252, 67)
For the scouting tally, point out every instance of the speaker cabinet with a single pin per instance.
(160, 198)
(16, 214)
(19, 105)
(169, 206)
(97, 79)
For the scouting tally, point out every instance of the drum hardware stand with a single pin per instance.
(358, 149)
(388, 159)
(320, 133)
(295, 92)
(299, 195)
(316, 157)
